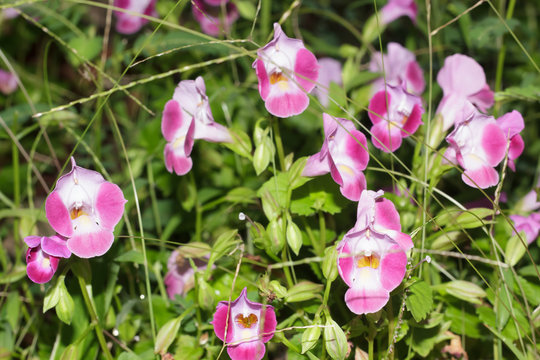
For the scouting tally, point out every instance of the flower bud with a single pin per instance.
(294, 237)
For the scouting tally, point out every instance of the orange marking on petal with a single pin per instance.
(75, 213)
(368, 261)
(246, 322)
(277, 77)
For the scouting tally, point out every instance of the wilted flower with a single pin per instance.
(210, 17)
(249, 325)
(128, 23)
(477, 144)
(181, 276)
(398, 8)
(512, 124)
(85, 209)
(329, 72)
(372, 255)
(43, 256)
(395, 114)
(8, 82)
(287, 71)
(462, 80)
(343, 154)
(185, 118)
(400, 67)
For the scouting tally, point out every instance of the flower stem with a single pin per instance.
(279, 144)
(286, 269)
(94, 317)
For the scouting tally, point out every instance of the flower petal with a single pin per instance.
(58, 214)
(252, 350)
(484, 177)
(366, 300)
(172, 120)
(90, 241)
(55, 246)
(286, 104)
(110, 205)
(393, 268)
(306, 69)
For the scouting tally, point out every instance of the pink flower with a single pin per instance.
(43, 256)
(395, 114)
(9, 13)
(329, 72)
(477, 144)
(249, 325)
(130, 23)
(398, 8)
(512, 124)
(287, 72)
(185, 118)
(462, 80)
(180, 277)
(210, 18)
(343, 154)
(372, 255)
(400, 66)
(8, 82)
(530, 225)
(85, 209)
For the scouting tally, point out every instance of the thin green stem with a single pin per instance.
(502, 55)
(286, 269)
(94, 317)
(279, 144)
(16, 192)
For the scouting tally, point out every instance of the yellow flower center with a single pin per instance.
(368, 261)
(246, 322)
(76, 212)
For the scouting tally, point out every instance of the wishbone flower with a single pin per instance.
(249, 326)
(43, 256)
(85, 209)
(287, 72)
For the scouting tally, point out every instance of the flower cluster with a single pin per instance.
(372, 255)
(83, 209)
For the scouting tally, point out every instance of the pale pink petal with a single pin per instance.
(33, 241)
(484, 99)
(172, 120)
(415, 78)
(386, 215)
(316, 165)
(55, 246)
(95, 242)
(306, 69)
(396, 8)
(386, 138)
(181, 165)
(377, 108)
(58, 215)
(393, 268)
(366, 300)
(264, 83)
(287, 104)
(494, 144)
(174, 285)
(461, 75)
(270, 323)
(414, 120)
(345, 262)
(484, 177)
(213, 132)
(252, 350)
(110, 205)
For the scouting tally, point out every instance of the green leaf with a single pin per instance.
(321, 194)
(65, 306)
(188, 348)
(276, 235)
(133, 256)
(420, 300)
(224, 244)
(261, 157)
(329, 264)
(464, 290)
(241, 144)
(304, 290)
(521, 93)
(166, 335)
(424, 340)
(241, 195)
(246, 9)
(515, 249)
(13, 276)
(205, 294)
(335, 340)
(311, 336)
(87, 49)
(53, 294)
(294, 237)
(71, 352)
